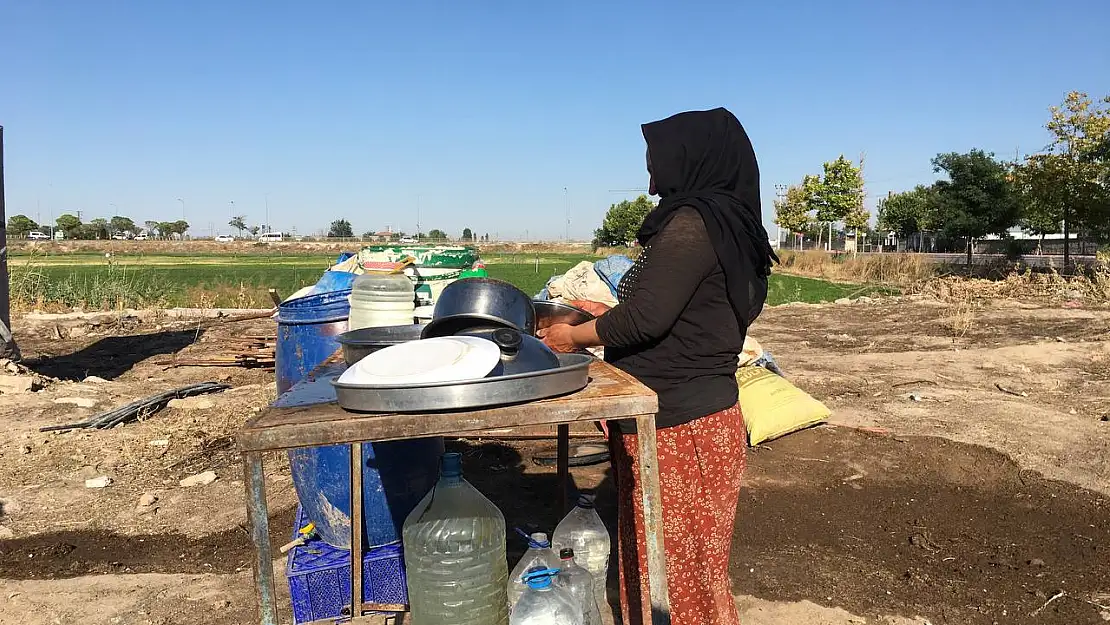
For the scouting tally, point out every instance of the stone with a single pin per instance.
(80, 402)
(93, 379)
(200, 479)
(159, 442)
(147, 500)
(865, 300)
(192, 403)
(6, 533)
(24, 449)
(1036, 562)
(842, 301)
(16, 384)
(98, 482)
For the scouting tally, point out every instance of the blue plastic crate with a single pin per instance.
(320, 577)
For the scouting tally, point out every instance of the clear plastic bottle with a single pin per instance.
(540, 555)
(381, 299)
(580, 584)
(455, 554)
(583, 531)
(543, 603)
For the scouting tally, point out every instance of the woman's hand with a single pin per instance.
(596, 309)
(559, 337)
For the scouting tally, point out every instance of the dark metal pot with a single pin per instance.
(549, 313)
(358, 344)
(520, 353)
(481, 303)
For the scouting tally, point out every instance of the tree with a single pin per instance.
(151, 227)
(255, 230)
(794, 211)
(1070, 172)
(1041, 183)
(839, 192)
(436, 234)
(977, 199)
(122, 225)
(340, 228)
(907, 213)
(180, 227)
(467, 235)
(97, 229)
(622, 222)
(20, 225)
(239, 222)
(70, 225)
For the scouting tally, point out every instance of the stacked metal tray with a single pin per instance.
(572, 374)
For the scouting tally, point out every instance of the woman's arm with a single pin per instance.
(681, 258)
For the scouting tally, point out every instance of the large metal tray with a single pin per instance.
(573, 374)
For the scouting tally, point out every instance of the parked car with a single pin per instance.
(270, 237)
(119, 237)
(224, 238)
(408, 241)
(35, 235)
(141, 237)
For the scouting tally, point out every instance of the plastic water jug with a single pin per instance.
(543, 603)
(455, 554)
(540, 555)
(578, 582)
(583, 531)
(381, 299)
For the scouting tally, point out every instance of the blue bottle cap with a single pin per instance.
(450, 465)
(539, 578)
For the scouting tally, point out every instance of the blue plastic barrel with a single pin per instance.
(306, 335)
(395, 475)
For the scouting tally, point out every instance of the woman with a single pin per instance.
(684, 309)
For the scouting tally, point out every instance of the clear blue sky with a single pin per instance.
(482, 112)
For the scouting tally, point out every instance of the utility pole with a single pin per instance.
(780, 193)
(417, 215)
(267, 227)
(566, 214)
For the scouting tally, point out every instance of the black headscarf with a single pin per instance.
(704, 159)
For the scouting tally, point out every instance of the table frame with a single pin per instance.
(611, 394)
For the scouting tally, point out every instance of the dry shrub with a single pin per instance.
(902, 270)
(1093, 285)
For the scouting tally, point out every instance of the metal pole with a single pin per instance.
(8, 348)
(268, 228)
(258, 517)
(653, 520)
(566, 214)
(356, 530)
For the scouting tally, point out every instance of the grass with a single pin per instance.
(93, 281)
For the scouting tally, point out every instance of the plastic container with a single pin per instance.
(539, 555)
(578, 582)
(307, 328)
(455, 554)
(382, 299)
(582, 530)
(395, 476)
(543, 603)
(320, 578)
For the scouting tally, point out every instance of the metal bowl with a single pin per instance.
(358, 344)
(549, 313)
(473, 303)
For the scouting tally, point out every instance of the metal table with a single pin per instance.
(611, 394)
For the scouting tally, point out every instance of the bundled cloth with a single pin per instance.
(589, 281)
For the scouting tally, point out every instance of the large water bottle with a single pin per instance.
(455, 554)
(583, 531)
(381, 299)
(580, 584)
(543, 603)
(539, 555)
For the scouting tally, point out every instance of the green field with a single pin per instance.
(94, 281)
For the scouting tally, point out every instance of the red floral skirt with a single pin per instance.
(700, 465)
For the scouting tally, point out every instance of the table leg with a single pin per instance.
(356, 529)
(258, 517)
(653, 520)
(563, 462)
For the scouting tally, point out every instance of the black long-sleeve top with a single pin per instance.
(674, 329)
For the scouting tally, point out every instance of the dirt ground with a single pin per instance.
(965, 477)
